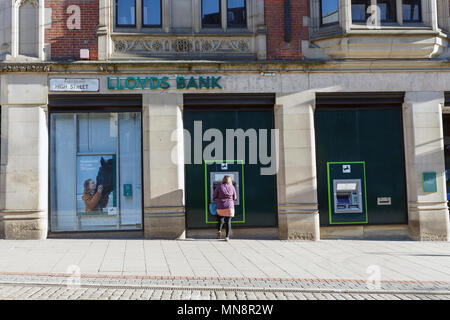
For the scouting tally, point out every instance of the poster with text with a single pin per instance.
(96, 185)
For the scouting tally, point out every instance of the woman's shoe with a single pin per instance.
(218, 234)
(227, 239)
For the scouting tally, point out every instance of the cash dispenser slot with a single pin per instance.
(347, 196)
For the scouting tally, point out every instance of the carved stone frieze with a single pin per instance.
(196, 45)
(8, 67)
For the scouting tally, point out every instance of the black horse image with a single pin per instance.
(105, 177)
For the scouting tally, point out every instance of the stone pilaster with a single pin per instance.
(103, 29)
(424, 149)
(298, 214)
(164, 211)
(24, 157)
(23, 176)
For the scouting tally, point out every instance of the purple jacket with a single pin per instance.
(225, 194)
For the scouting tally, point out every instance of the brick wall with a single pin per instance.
(65, 43)
(277, 48)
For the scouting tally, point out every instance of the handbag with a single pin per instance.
(213, 209)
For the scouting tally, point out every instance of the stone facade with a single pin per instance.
(314, 60)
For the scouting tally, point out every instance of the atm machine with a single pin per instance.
(347, 196)
(347, 192)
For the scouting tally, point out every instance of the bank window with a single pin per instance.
(151, 13)
(446, 127)
(236, 14)
(359, 10)
(329, 12)
(211, 14)
(386, 10)
(126, 13)
(218, 13)
(95, 171)
(412, 10)
(138, 14)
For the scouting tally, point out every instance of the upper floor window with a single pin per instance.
(126, 13)
(329, 12)
(388, 11)
(360, 10)
(412, 11)
(236, 13)
(133, 13)
(151, 13)
(385, 11)
(211, 14)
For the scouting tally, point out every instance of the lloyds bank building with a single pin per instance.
(119, 117)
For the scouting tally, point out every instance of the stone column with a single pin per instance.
(345, 14)
(5, 27)
(24, 157)
(164, 211)
(103, 29)
(259, 28)
(424, 150)
(298, 213)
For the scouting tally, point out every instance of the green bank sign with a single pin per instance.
(164, 83)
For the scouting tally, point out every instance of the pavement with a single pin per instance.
(215, 269)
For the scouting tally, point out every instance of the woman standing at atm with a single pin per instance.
(225, 194)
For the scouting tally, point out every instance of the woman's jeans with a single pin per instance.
(222, 221)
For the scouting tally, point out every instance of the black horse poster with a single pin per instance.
(96, 185)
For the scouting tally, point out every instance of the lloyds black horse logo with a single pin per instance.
(105, 177)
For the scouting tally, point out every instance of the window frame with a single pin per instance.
(420, 14)
(366, 14)
(211, 26)
(321, 16)
(395, 21)
(394, 12)
(117, 16)
(236, 26)
(94, 103)
(153, 26)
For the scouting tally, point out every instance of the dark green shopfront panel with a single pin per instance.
(373, 135)
(258, 205)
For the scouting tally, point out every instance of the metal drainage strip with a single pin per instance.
(226, 289)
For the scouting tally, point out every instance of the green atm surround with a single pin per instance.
(356, 175)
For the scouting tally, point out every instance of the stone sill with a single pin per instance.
(396, 32)
(386, 31)
(391, 27)
(183, 34)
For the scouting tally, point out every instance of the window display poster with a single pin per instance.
(96, 185)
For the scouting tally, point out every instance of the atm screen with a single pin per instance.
(343, 199)
(347, 196)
